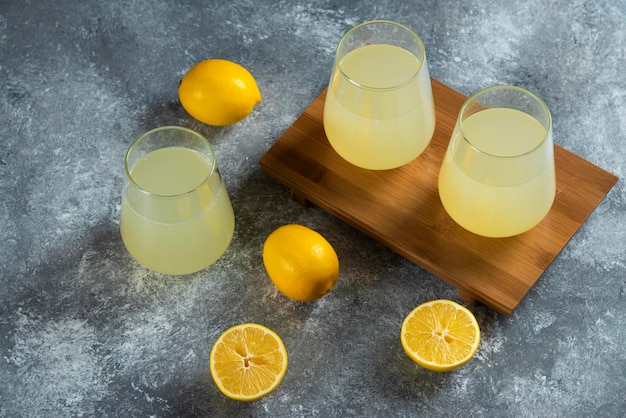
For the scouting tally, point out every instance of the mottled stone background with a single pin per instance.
(85, 331)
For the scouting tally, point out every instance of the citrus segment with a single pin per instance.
(301, 263)
(248, 361)
(218, 92)
(440, 335)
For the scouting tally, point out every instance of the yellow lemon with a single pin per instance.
(248, 361)
(440, 335)
(218, 92)
(301, 263)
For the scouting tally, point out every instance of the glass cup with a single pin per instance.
(176, 216)
(379, 112)
(497, 178)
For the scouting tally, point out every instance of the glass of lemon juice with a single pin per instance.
(379, 112)
(176, 216)
(497, 178)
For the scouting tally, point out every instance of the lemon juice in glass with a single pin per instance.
(379, 112)
(497, 178)
(176, 216)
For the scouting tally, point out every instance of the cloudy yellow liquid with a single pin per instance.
(186, 222)
(389, 118)
(501, 194)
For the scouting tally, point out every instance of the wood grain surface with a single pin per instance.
(401, 207)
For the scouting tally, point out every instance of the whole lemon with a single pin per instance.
(218, 92)
(301, 263)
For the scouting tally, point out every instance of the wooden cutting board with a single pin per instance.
(401, 208)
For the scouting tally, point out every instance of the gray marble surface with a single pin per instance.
(85, 331)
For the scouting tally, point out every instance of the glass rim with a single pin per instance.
(420, 44)
(538, 99)
(169, 128)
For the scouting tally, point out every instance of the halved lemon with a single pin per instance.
(440, 335)
(248, 361)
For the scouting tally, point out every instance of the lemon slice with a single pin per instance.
(440, 335)
(248, 361)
